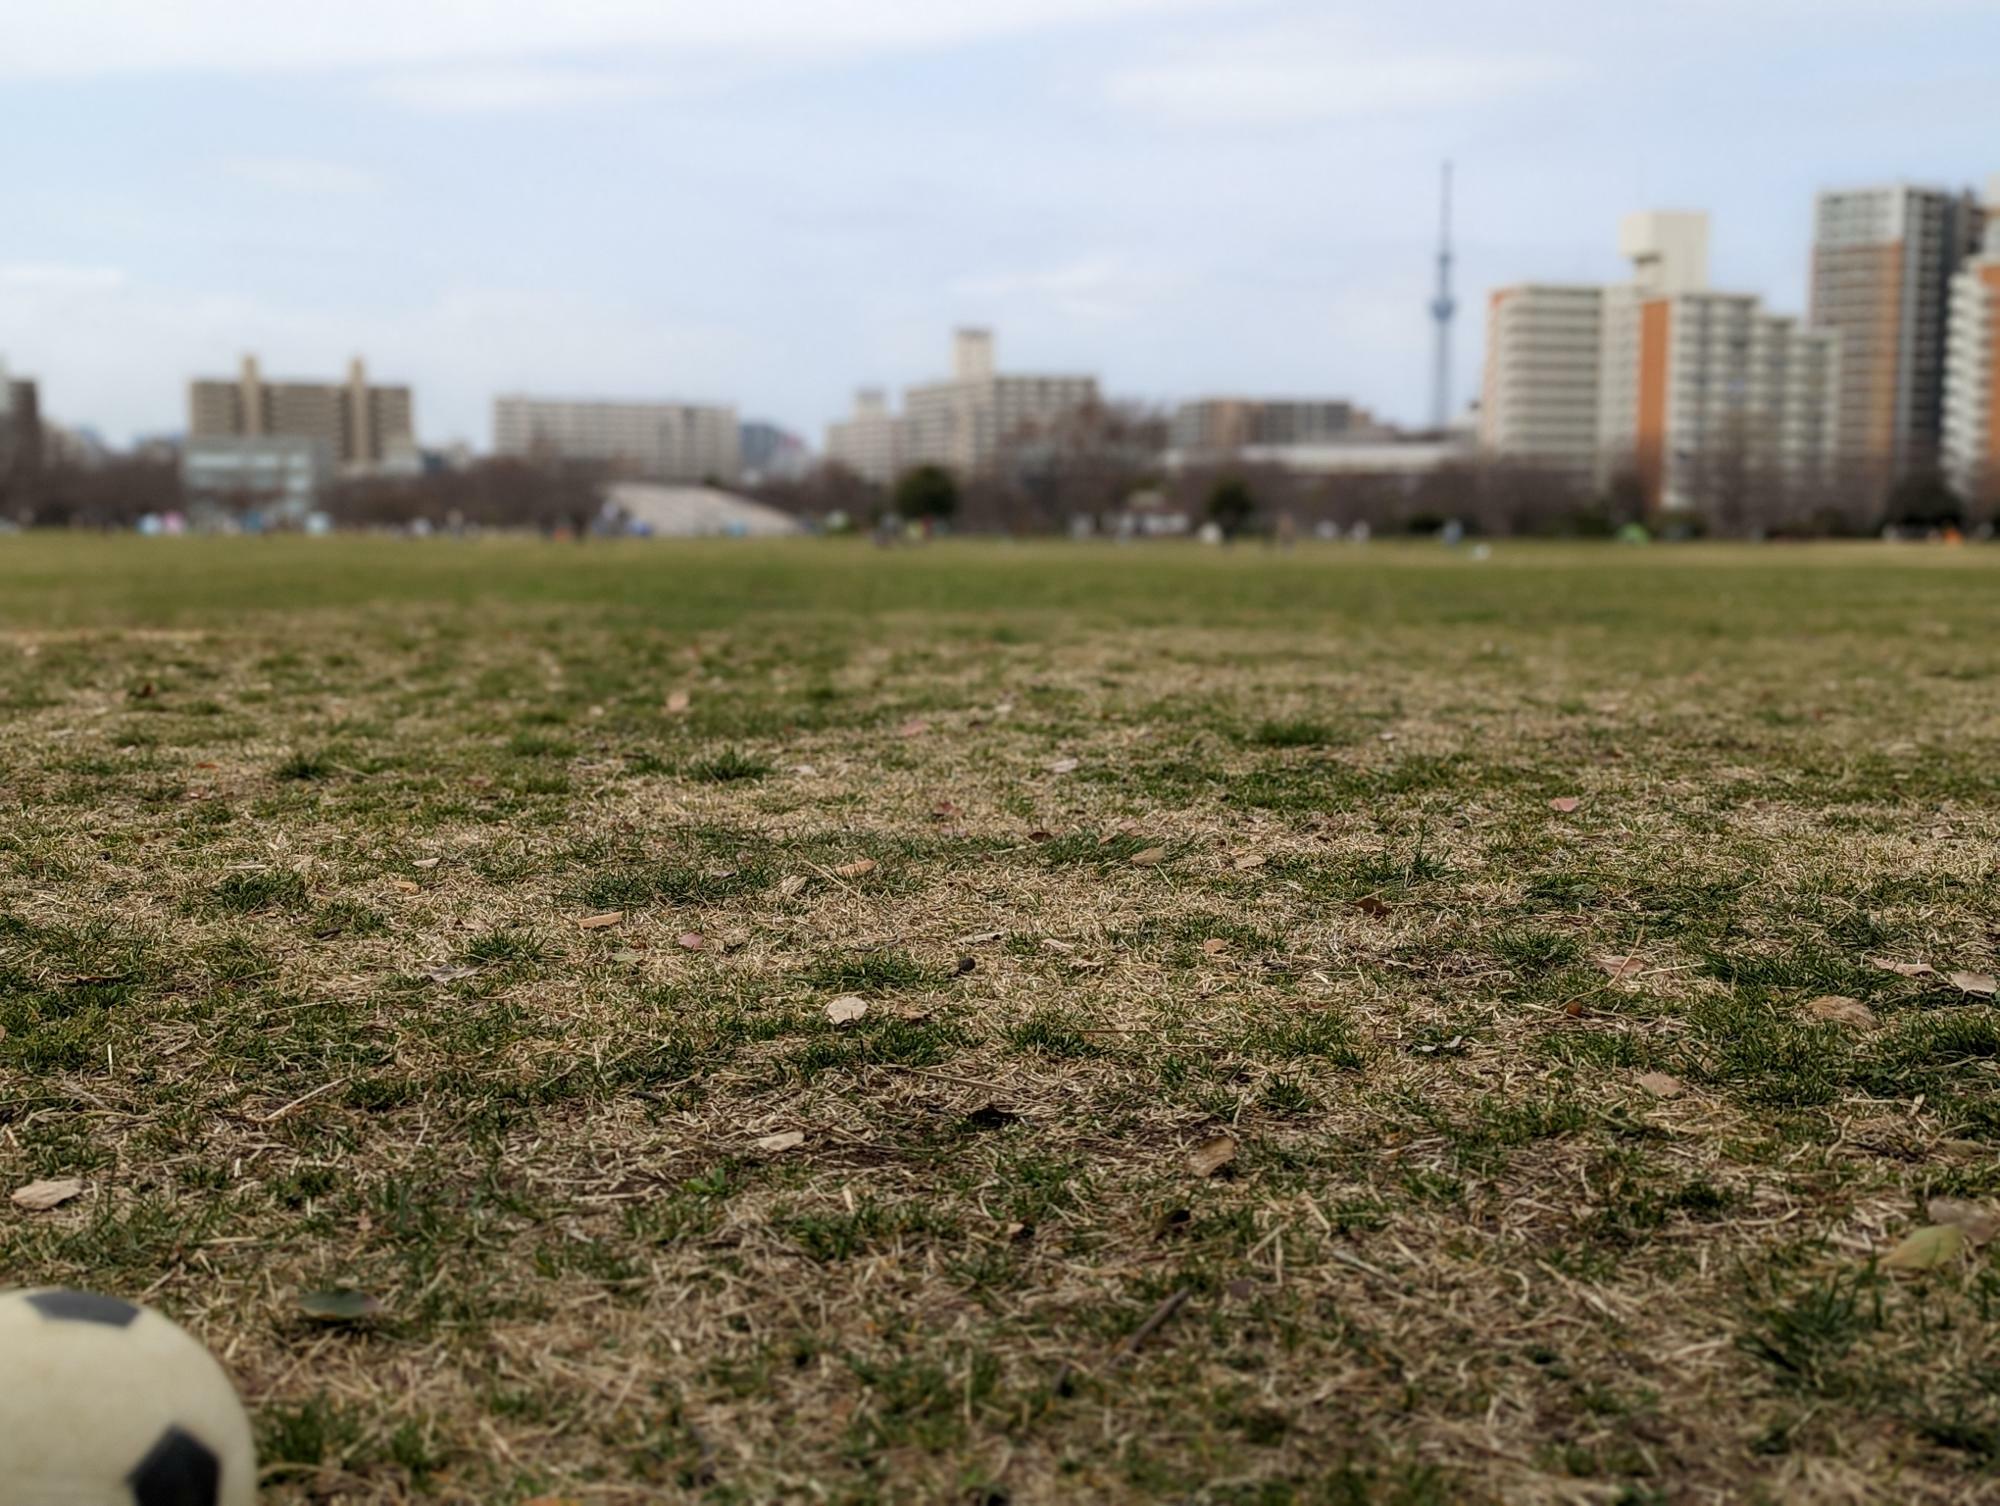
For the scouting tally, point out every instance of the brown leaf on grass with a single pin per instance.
(409, 888)
(341, 1305)
(1660, 1084)
(600, 921)
(1562, 805)
(944, 810)
(1928, 1248)
(790, 885)
(1982, 984)
(692, 941)
(1247, 861)
(1149, 857)
(1214, 946)
(1368, 904)
(1978, 1222)
(1903, 969)
(1039, 835)
(916, 726)
(677, 702)
(1209, 1157)
(859, 868)
(1618, 969)
(39, 1197)
(1839, 1009)
(846, 1009)
(783, 1140)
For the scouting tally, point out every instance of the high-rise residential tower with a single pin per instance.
(362, 427)
(1883, 262)
(1705, 399)
(963, 421)
(1971, 428)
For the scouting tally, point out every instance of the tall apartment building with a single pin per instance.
(1971, 424)
(1544, 350)
(656, 441)
(1702, 395)
(963, 421)
(1220, 424)
(364, 428)
(1883, 262)
(20, 425)
(869, 442)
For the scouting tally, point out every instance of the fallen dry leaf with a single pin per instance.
(1928, 1248)
(1050, 943)
(693, 941)
(423, 862)
(677, 702)
(1978, 1222)
(1982, 984)
(859, 868)
(1839, 1009)
(1618, 969)
(39, 1197)
(599, 922)
(916, 726)
(1214, 945)
(790, 885)
(1063, 766)
(944, 810)
(1149, 857)
(846, 1009)
(783, 1140)
(409, 888)
(450, 974)
(1660, 1084)
(341, 1305)
(1209, 1157)
(1248, 861)
(1368, 904)
(1903, 969)
(1564, 804)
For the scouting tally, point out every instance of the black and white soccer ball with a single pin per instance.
(104, 1403)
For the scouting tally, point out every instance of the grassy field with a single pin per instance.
(1021, 1024)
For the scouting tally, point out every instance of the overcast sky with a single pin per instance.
(770, 202)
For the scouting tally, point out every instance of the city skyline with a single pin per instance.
(771, 209)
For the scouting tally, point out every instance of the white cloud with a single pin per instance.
(1099, 287)
(481, 88)
(1315, 71)
(303, 175)
(58, 278)
(81, 37)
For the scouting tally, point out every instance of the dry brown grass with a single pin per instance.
(1462, 1252)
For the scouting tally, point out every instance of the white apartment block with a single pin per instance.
(656, 441)
(1692, 390)
(1971, 427)
(870, 441)
(1543, 352)
(963, 421)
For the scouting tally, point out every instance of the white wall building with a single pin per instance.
(1694, 391)
(660, 441)
(962, 422)
(870, 441)
(1971, 438)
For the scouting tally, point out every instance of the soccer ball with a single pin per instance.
(103, 1403)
